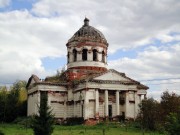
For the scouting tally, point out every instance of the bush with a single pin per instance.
(1, 133)
(74, 121)
(25, 121)
(173, 124)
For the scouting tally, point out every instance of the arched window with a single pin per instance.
(94, 55)
(74, 55)
(68, 57)
(84, 54)
(103, 56)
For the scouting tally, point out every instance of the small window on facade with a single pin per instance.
(84, 54)
(94, 55)
(103, 56)
(74, 55)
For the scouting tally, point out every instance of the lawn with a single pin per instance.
(111, 129)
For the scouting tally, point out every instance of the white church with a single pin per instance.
(87, 89)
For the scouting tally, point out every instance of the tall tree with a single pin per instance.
(170, 103)
(149, 113)
(42, 123)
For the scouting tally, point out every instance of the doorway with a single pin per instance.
(110, 111)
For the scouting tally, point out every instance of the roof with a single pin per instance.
(88, 33)
(91, 78)
(33, 77)
(53, 80)
(62, 79)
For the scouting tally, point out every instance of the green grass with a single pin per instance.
(110, 129)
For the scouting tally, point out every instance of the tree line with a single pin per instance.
(163, 116)
(13, 101)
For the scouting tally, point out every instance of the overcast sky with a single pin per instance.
(143, 37)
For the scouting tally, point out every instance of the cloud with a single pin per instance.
(126, 24)
(152, 67)
(4, 3)
(153, 62)
(25, 40)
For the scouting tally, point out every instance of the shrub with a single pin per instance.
(173, 124)
(1, 133)
(25, 121)
(74, 121)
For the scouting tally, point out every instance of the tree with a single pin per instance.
(149, 113)
(173, 124)
(3, 99)
(170, 103)
(42, 123)
(13, 102)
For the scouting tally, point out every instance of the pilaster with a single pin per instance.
(97, 104)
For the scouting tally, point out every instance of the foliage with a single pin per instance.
(1, 133)
(74, 121)
(149, 113)
(161, 116)
(42, 123)
(24, 121)
(173, 124)
(13, 102)
(170, 103)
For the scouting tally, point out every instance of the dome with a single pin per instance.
(88, 33)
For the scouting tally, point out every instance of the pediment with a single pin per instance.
(33, 79)
(113, 76)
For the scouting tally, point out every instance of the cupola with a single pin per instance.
(87, 49)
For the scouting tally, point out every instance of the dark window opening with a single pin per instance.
(84, 54)
(103, 56)
(110, 111)
(75, 55)
(68, 57)
(94, 55)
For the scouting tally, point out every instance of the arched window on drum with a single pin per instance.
(84, 54)
(68, 57)
(95, 55)
(103, 57)
(74, 55)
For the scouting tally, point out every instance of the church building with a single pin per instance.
(87, 88)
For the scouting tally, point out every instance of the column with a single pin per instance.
(127, 104)
(137, 102)
(145, 96)
(106, 103)
(117, 102)
(97, 104)
(49, 99)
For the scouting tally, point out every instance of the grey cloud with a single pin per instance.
(4, 3)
